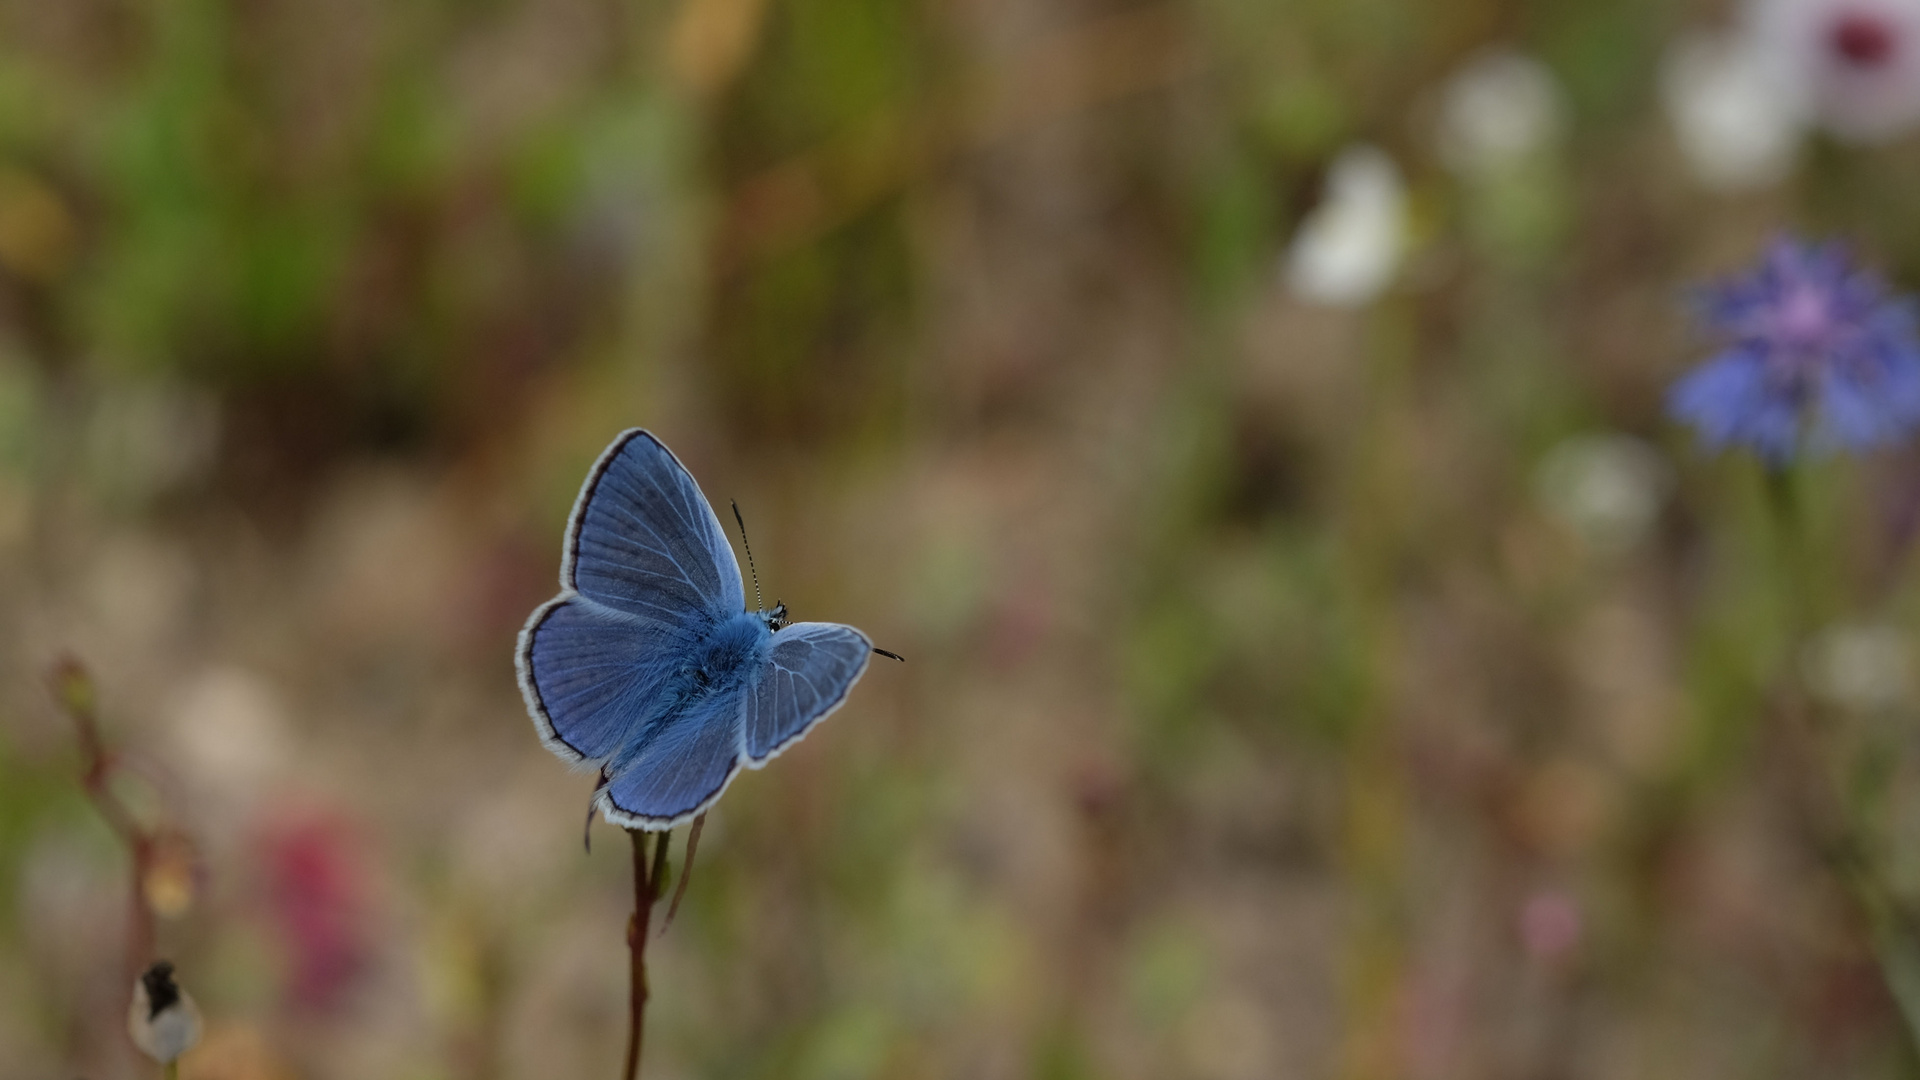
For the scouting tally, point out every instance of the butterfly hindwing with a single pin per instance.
(806, 676)
(686, 762)
(644, 541)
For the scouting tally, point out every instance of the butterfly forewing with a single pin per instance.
(807, 674)
(644, 541)
(588, 673)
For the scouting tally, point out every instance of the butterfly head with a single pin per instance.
(776, 618)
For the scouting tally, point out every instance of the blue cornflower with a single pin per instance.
(1817, 350)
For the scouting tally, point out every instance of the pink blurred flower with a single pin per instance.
(1550, 925)
(1854, 63)
(316, 899)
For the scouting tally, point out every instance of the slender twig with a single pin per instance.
(647, 887)
(637, 945)
(73, 689)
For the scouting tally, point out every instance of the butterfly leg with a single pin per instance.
(686, 871)
(593, 800)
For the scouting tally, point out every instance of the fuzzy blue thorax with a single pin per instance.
(1816, 352)
(732, 650)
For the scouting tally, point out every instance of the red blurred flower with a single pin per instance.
(315, 892)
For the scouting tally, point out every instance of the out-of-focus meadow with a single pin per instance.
(1305, 679)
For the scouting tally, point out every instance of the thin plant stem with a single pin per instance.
(73, 688)
(173, 1070)
(1791, 550)
(1823, 800)
(649, 877)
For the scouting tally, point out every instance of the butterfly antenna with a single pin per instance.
(759, 602)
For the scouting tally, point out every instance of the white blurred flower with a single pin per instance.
(1498, 110)
(1607, 488)
(162, 1019)
(1740, 101)
(230, 732)
(1854, 63)
(1734, 110)
(1347, 250)
(1860, 667)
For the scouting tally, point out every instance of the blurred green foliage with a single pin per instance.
(1265, 714)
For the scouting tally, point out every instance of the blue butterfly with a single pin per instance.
(648, 665)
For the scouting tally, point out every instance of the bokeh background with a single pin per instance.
(1325, 658)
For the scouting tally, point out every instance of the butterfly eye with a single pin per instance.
(777, 618)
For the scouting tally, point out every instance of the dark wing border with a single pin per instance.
(530, 691)
(570, 546)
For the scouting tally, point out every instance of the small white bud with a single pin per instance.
(162, 1020)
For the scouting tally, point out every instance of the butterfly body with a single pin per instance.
(729, 651)
(647, 666)
(715, 667)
